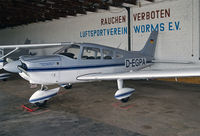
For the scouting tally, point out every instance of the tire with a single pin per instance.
(68, 87)
(41, 104)
(125, 100)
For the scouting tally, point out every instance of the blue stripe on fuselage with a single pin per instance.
(72, 68)
(77, 67)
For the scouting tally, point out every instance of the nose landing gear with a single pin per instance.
(67, 86)
(41, 96)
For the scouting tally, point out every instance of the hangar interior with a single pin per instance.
(157, 108)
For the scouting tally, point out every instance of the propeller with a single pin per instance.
(12, 66)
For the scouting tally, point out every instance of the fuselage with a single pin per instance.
(76, 60)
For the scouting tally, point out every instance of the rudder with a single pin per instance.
(149, 48)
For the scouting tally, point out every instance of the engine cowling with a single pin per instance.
(124, 93)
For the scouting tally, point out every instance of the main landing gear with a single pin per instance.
(68, 86)
(123, 94)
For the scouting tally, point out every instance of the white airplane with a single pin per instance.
(83, 62)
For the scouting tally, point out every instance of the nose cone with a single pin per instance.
(12, 66)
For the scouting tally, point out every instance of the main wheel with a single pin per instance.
(69, 86)
(125, 99)
(41, 104)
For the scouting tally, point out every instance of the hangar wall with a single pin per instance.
(93, 27)
(178, 25)
(177, 21)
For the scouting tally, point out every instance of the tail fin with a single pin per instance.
(149, 48)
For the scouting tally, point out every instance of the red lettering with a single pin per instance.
(152, 14)
(106, 21)
(167, 12)
(143, 15)
(109, 20)
(120, 19)
(147, 15)
(102, 21)
(113, 20)
(139, 15)
(135, 17)
(157, 13)
(162, 13)
(116, 20)
(123, 18)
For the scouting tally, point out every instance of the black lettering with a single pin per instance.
(133, 62)
(127, 63)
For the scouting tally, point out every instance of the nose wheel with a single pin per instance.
(125, 100)
(41, 96)
(68, 86)
(40, 104)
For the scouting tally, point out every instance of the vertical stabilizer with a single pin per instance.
(149, 48)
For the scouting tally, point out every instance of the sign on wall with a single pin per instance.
(173, 20)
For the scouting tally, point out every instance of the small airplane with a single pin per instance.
(86, 62)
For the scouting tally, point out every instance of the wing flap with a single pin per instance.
(146, 74)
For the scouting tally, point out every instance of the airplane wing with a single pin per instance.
(31, 46)
(172, 61)
(143, 74)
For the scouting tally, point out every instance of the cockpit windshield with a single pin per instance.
(71, 51)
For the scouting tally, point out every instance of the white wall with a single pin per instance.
(179, 32)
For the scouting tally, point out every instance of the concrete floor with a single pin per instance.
(157, 108)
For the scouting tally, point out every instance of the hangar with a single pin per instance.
(116, 23)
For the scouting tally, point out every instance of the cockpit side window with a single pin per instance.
(119, 55)
(91, 53)
(107, 54)
(72, 51)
